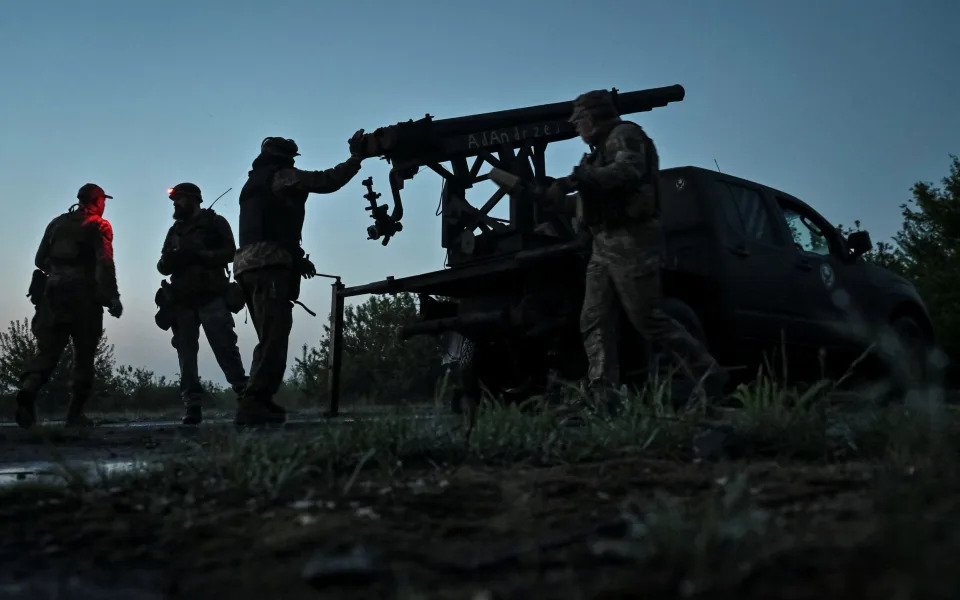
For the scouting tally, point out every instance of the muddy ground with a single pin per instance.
(117, 440)
(852, 530)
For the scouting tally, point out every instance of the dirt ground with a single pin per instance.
(453, 532)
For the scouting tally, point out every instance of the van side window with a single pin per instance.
(807, 237)
(746, 213)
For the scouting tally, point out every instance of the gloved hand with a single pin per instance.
(580, 176)
(557, 190)
(114, 307)
(583, 181)
(306, 268)
(356, 145)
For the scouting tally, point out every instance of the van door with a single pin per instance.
(759, 263)
(822, 305)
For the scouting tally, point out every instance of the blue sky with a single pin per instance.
(843, 104)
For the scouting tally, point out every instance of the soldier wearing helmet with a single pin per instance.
(270, 261)
(75, 279)
(618, 200)
(196, 253)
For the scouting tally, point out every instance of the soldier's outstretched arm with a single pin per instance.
(628, 146)
(318, 182)
(328, 180)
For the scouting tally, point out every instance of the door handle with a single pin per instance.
(739, 250)
(804, 265)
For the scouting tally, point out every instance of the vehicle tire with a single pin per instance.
(681, 312)
(686, 316)
(910, 363)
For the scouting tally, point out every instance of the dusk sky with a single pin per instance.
(843, 104)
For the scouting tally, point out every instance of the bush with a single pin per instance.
(18, 345)
(926, 251)
(378, 367)
(123, 388)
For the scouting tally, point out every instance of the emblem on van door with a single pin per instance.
(827, 275)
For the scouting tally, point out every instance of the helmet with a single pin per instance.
(185, 189)
(596, 102)
(279, 146)
(89, 191)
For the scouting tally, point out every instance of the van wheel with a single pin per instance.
(909, 360)
(681, 312)
(686, 316)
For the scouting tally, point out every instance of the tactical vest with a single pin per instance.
(200, 231)
(266, 217)
(637, 205)
(196, 283)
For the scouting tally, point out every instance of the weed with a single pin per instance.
(782, 420)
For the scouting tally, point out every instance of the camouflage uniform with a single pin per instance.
(270, 262)
(196, 252)
(75, 258)
(618, 199)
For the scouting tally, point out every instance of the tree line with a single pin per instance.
(377, 367)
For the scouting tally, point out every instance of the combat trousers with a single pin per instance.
(218, 327)
(623, 271)
(269, 293)
(75, 319)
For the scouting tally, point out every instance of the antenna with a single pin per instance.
(718, 166)
(220, 196)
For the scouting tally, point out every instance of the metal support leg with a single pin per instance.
(336, 347)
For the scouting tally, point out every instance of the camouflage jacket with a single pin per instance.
(617, 183)
(292, 183)
(76, 251)
(195, 255)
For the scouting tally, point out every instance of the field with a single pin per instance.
(787, 494)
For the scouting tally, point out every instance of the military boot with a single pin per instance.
(715, 383)
(258, 411)
(603, 397)
(193, 415)
(275, 408)
(26, 415)
(706, 392)
(576, 408)
(75, 416)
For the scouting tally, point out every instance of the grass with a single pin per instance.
(785, 486)
(772, 421)
(717, 540)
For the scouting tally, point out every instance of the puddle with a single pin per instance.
(294, 421)
(64, 584)
(48, 472)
